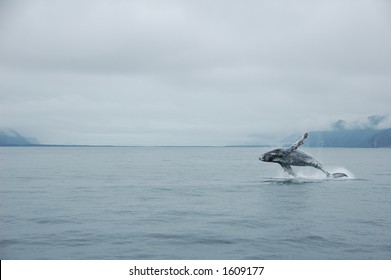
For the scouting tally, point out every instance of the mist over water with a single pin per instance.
(192, 203)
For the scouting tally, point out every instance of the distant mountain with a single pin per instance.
(355, 138)
(382, 139)
(9, 137)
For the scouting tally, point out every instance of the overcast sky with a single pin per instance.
(204, 72)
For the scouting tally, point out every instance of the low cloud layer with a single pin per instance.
(371, 122)
(190, 72)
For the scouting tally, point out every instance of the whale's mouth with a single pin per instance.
(265, 158)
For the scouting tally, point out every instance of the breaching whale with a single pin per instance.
(292, 157)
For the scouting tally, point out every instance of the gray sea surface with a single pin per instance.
(191, 203)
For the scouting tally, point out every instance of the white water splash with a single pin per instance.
(305, 173)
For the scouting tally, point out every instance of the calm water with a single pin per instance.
(191, 203)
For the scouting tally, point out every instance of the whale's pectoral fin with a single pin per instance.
(288, 169)
(298, 143)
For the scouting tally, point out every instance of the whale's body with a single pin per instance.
(293, 157)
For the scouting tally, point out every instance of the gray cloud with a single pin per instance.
(371, 122)
(190, 72)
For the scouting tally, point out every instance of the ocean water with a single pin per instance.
(191, 203)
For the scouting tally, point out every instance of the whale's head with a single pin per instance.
(272, 156)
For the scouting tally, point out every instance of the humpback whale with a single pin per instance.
(293, 157)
